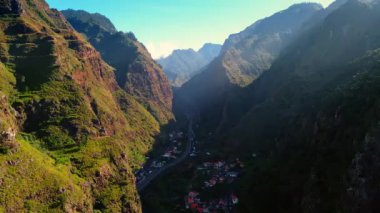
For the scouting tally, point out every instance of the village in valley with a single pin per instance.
(224, 204)
(210, 188)
(172, 152)
(214, 173)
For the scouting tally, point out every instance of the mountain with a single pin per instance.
(210, 51)
(181, 65)
(91, 20)
(137, 73)
(308, 127)
(247, 54)
(70, 136)
(244, 57)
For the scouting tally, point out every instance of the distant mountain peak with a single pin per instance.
(179, 51)
(182, 64)
(210, 50)
(208, 45)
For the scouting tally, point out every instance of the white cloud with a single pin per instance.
(161, 49)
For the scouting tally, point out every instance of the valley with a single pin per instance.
(284, 116)
(151, 171)
(209, 182)
(299, 142)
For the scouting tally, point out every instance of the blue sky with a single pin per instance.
(164, 25)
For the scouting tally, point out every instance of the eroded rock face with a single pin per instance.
(8, 128)
(8, 135)
(8, 140)
(146, 80)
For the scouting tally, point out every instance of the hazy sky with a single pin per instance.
(164, 25)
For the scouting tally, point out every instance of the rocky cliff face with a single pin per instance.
(137, 73)
(8, 127)
(148, 83)
(70, 135)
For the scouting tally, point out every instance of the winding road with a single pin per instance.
(141, 185)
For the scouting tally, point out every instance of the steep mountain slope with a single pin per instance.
(137, 73)
(69, 135)
(244, 57)
(316, 59)
(322, 159)
(181, 65)
(311, 120)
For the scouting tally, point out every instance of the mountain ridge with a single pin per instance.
(244, 57)
(137, 73)
(181, 65)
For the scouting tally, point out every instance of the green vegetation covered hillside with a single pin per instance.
(69, 135)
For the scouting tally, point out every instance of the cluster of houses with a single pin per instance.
(171, 153)
(220, 172)
(217, 172)
(159, 164)
(175, 135)
(194, 203)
